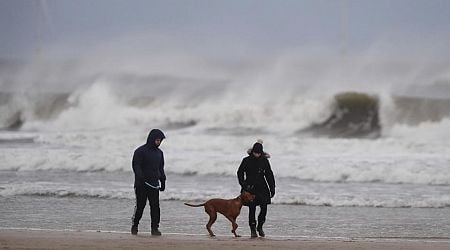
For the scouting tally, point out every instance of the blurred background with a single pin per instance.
(351, 98)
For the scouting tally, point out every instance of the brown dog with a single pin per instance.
(229, 208)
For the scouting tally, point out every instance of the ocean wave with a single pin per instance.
(198, 188)
(287, 92)
(374, 174)
(392, 204)
(18, 108)
(17, 140)
(199, 197)
(62, 193)
(342, 115)
(353, 115)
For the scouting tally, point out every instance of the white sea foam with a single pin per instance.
(196, 152)
(198, 189)
(212, 113)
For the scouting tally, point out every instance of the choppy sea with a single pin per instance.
(325, 187)
(347, 164)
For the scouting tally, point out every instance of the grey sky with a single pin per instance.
(259, 25)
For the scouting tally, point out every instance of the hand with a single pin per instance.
(272, 193)
(163, 186)
(249, 188)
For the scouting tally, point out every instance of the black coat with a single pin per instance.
(255, 175)
(148, 161)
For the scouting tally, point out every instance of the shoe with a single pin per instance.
(261, 232)
(134, 230)
(156, 232)
(259, 228)
(253, 231)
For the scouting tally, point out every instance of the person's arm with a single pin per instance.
(270, 179)
(162, 179)
(240, 174)
(137, 165)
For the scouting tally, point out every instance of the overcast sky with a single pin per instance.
(255, 26)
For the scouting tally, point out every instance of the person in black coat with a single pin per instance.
(256, 176)
(149, 180)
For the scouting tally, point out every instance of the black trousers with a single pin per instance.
(261, 216)
(142, 195)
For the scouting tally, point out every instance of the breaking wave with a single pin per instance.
(347, 115)
(353, 115)
(198, 196)
(303, 91)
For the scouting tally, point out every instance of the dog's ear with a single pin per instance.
(248, 196)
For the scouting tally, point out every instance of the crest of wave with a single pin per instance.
(96, 106)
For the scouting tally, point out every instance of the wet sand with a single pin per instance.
(45, 239)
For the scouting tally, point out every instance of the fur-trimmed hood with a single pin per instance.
(265, 154)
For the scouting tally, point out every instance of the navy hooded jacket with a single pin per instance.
(148, 161)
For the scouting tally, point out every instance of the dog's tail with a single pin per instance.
(194, 205)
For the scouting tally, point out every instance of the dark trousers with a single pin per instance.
(142, 195)
(261, 216)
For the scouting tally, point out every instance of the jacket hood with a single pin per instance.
(258, 147)
(265, 154)
(153, 135)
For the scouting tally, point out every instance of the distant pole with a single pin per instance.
(37, 28)
(42, 25)
(344, 27)
(344, 65)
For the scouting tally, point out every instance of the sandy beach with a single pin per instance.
(45, 239)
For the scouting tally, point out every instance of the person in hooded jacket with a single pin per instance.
(149, 180)
(255, 175)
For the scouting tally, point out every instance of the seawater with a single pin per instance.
(386, 172)
(65, 156)
(284, 221)
(82, 180)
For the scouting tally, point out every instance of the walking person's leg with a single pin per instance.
(153, 198)
(262, 219)
(141, 200)
(252, 220)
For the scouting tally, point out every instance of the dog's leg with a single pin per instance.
(234, 225)
(212, 218)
